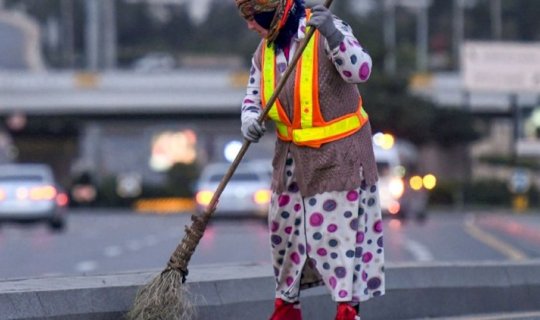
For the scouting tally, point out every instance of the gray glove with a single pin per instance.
(252, 130)
(321, 18)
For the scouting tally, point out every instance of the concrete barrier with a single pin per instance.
(239, 292)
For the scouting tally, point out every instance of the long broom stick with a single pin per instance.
(165, 297)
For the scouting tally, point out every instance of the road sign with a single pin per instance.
(511, 67)
(520, 181)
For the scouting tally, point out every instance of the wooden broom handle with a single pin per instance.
(180, 258)
(213, 202)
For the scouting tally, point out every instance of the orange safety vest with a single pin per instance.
(308, 127)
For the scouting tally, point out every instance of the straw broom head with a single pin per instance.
(166, 297)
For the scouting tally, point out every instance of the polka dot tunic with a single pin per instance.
(333, 238)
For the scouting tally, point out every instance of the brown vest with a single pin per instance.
(336, 166)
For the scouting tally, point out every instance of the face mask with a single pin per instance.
(264, 19)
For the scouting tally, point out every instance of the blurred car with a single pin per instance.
(391, 186)
(155, 62)
(402, 193)
(247, 193)
(29, 192)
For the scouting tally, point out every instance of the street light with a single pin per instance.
(92, 34)
(422, 31)
(459, 27)
(496, 19)
(389, 30)
(100, 34)
(420, 7)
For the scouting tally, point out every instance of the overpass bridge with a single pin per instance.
(122, 93)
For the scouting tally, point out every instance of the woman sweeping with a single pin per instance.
(324, 217)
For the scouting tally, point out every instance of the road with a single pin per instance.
(98, 242)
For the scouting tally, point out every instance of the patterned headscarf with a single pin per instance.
(249, 8)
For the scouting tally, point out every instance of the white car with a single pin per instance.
(247, 193)
(402, 192)
(391, 186)
(29, 192)
(155, 62)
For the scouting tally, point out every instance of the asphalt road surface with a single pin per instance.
(100, 242)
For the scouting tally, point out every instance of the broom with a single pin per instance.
(166, 297)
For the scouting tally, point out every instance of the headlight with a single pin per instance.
(416, 183)
(396, 188)
(262, 196)
(429, 181)
(43, 193)
(204, 197)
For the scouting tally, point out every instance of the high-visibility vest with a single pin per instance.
(308, 127)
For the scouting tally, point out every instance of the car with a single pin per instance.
(403, 193)
(155, 62)
(247, 193)
(29, 193)
(390, 184)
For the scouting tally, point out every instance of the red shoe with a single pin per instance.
(286, 311)
(346, 312)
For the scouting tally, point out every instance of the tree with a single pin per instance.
(227, 34)
(392, 109)
(452, 126)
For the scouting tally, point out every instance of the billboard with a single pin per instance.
(511, 67)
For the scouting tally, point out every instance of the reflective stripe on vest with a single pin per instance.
(308, 127)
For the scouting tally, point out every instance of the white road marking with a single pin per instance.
(419, 251)
(52, 274)
(134, 245)
(86, 266)
(150, 240)
(112, 251)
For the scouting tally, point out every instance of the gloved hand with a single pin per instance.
(252, 130)
(321, 18)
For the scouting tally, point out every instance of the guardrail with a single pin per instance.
(246, 292)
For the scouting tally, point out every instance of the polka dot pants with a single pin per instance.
(334, 237)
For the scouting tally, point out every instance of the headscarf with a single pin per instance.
(249, 8)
